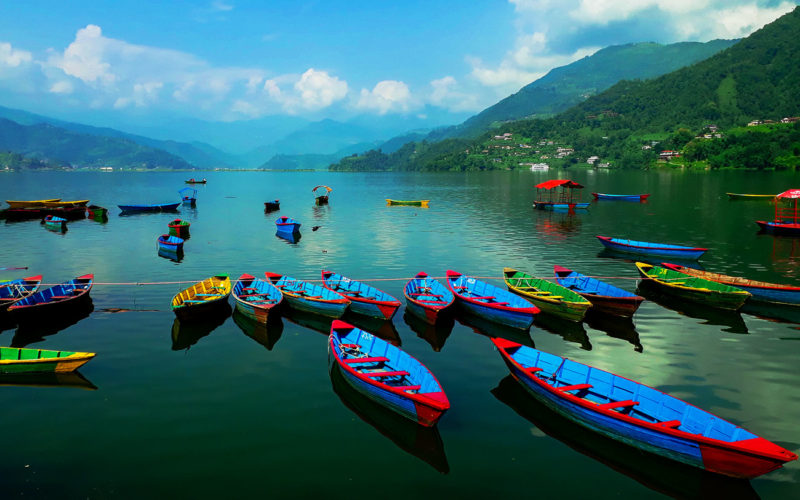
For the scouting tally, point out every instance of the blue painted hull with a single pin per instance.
(390, 400)
(503, 317)
(780, 228)
(654, 249)
(772, 295)
(323, 308)
(149, 208)
(490, 302)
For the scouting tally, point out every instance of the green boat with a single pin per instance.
(692, 288)
(21, 360)
(408, 203)
(550, 297)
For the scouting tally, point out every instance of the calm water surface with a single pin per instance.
(166, 409)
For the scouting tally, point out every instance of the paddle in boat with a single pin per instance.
(167, 243)
(29, 203)
(703, 291)
(21, 360)
(256, 298)
(787, 218)
(656, 249)
(620, 197)
(287, 225)
(386, 374)
(159, 207)
(55, 223)
(271, 206)
(13, 290)
(639, 415)
(364, 299)
(427, 299)
(203, 298)
(750, 197)
(408, 203)
(305, 296)
(760, 291)
(188, 196)
(491, 302)
(179, 228)
(604, 297)
(551, 298)
(56, 300)
(321, 194)
(558, 194)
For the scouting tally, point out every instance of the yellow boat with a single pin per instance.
(65, 204)
(29, 203)
(21, 360)
(202, 298)
(408, 203)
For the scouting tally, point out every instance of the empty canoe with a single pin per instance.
(273, 205)
(202, 298)
(305, 296)
(56, 300)
(364, 299)
(29, 203)
(647, 248)
(169, 243)
(386, 374)
(287, 225)
(159, 207)
(550, 298)
(426, 298)
(53, 222)
(179, 228)
(64, 204)
(639, 415)
(692, 288)
(604, 297)
(620, 197)
(255, 298)
(21, 360)
(779, 228)
(491, 302)
(408, 203)
(13, 290)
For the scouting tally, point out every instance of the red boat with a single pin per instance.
(787, 219)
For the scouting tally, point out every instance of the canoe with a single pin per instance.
(639, 415)
(305, 296)
(604, 297)
(13, 290)
(408, 203)
(646, 248)
(64, 204)
(256, 298)
(426, 298)
(160, 207)
(620, 197)
(760, 291)
(21, 360)
(29, 203)
(270, 206)
(287, 224)
(780, 228)
(751, 197)
(491, 302)
(203, 298)
(386, 374)
(548, 205)
(56, 300)
(53, 222)
(551, 298)
(96, 212)
(69, 213)
(169, 243)
(703, 291)
(178, 227)
(364, 299)
(195, 181)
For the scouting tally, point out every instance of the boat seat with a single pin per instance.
(193, 301)
(208, 295)
(671, 424)
(500, 303)
(484, 297)
(397, 373)
(252, 294)
(407, 387)
(432, 301)
(375, 359)
(618, 404)
(576, 387)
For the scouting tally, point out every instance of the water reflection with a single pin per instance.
(608, 253)
(292, 238)
(556, 224)
(72, 380)
(494, 330)
(266, 334)
(316, 322)
(187, 333)
(617, 327)
(422, 442)
(657, 473)
(382, 328)
(173, 256)
(731, 320)
(436, 335)
(568, 330)
(35, 329)
(773, 312)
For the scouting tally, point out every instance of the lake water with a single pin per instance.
(213, 412)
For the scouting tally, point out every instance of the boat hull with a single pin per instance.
(166, 207)
(779, 228)
(428, 299)
(636, 247)
(255, 299)
(408, 203)
(621, 197)
(605, 298)
(719, 299)
(59, 300)
(751, 197)
(14, 360)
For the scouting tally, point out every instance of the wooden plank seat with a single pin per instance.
(369, 359)
(249, 289)
(252, 294)
(484, 297)
(407, 387)
(499, 303)
(208, 295)
(396, 373)
(618, 404)
(428, 294)
(576, 387)
(193, 301)
(435, 301)
(671, 424)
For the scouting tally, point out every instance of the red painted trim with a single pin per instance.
(455, 275)
(391, 305)
(275, 277)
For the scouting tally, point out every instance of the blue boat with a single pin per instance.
(491, 302)
(188, 196)
(55, 223)
(57, 299)
(13, 290)
(426, 298)
(386, 374)
(169, 243)
(640, 416)
(287, 225)
(620, 197)
(604, 297)
(364, 299)
(256, 298)
(657, 249)
(305, 296)
(161, 207)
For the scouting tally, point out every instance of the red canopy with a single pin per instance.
(559, 182)
(792, 193)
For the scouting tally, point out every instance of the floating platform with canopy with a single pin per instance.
(321, 194)
(559, 194)
(787, 217)
(188, 196)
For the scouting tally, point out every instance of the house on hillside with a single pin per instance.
(755, 123)
(536, 167)
(790, 119)
(667, 154)
(592, 160)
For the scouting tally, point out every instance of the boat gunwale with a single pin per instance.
(433, 307)
(391, 303)
(454, 275)
(265, 307)
(278, 276)
(16, 306)
(679, 248)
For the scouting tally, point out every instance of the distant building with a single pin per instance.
(537, 167)
(790, 119)
(604, 165)
(755, 123)
(665, 155)
(592, 160)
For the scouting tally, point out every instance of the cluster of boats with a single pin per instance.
(53, 212)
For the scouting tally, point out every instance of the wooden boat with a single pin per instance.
(256, 298)
(53, 222)
(657, 249)
(159, 207)
(760, 291)
(750, 197)
(639, 415)
(426, 298)
(203, 298)
(13, 290)
(787, 218)
(491, 302)
(692, 288)
(305, 296)
(56, 300)
(271, 206)
(29, 203)
(604, 297)
(64, 204)
(179, 228)
(550, 298)
(620, 197)
(386, 374)
(96, 212)
(287, 224)
(169, 243)
(21, 360)
(364, 299)
(69, 213)
(195, 181)
(408, 203)
(188, 196)
(321, 194)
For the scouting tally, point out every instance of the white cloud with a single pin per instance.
(386, 96)
(62, 87)
(318, 89)
(446, 93)
(13, 58)
(84, 58)
(221, 6)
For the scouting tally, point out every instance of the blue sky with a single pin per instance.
(232, 60)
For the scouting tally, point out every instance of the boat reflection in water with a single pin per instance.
(608, 253)
(266, 334)
(731, 320)
(316, 322)
(292, 238)
(617, 327)
(72, 380)
(771, 312)
(422, 442)
(494, 330)
(36, 328)
(187, 333)
(568, 330)
(381, 328)
(173, 256)
(665, 476)
(436, 335)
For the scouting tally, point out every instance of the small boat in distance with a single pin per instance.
(97, 212)
(321, 194)
(179, 228)
(684, 286)
(271, 206)
(491, 302)
(30, 203)
(559, 194)
(13, 290)
(787, 218)
(65, 204)
(364, 299)
(195, 181)
(620, 197)
(14, 360)
(647, 248)
(159, 207)
(550, 298)
(309, 297)
(203, 298)
(169, 243)
(408, 203)
(604, 297)
(750, 197)
(256, 298)
(188, 196)
(56, 223)
(427, 299)
(287, 224)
